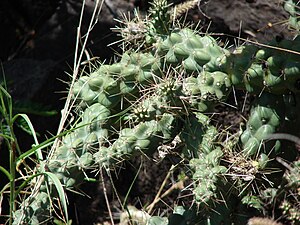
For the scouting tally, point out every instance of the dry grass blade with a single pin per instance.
(157, 197)
(77, 61)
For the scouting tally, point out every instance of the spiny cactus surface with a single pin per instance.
(147, 98)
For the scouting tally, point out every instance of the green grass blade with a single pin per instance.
(33, 150)
(33, 108)
(131, 185)
(42, 145)
(5, 91)
(60, 191)
(2, 169)
(6, 103)
(7, 137)
(26, 118)
(33, 133)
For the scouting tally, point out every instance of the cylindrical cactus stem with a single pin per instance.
(144, 138)
(142, 32)
(275, 69)
(160, 20)
(35, 210)
(266, 117)
(237, 63)
(207, 89)
(111, 83)
(207, 174)
(168, 105)
(166, 97)
(75, 155)
(198, 136)
(290, 203)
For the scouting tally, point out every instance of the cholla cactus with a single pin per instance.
(148, 98)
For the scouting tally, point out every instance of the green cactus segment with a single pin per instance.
(290, 205)
(149, 109)
(237, 64)
(165, 98)
(193, 52)
(292, 176)
(198, 136)
(266, 116)
(207, 173)
(275, 69)
(69, 160)
(160, 22)
(282, 68)
(292, 7)
(147, 99)
(89, 130)
(180, 216)
(110, 83)
(255, 69)
(142, 138)
(207, 89)
(37, 210)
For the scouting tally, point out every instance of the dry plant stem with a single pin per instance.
(1, 200)
(157, 197)
(285, 164)
(12, 196)
(106, 198)
(257, 43)
(115, 190)
(177, 185)
(68, 105)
